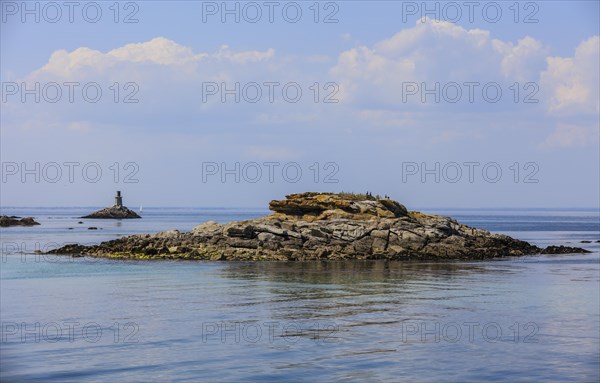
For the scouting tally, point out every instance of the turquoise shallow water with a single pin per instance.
(88, 320)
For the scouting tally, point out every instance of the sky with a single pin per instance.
(232, 104)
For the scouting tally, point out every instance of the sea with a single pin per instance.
(525, 319)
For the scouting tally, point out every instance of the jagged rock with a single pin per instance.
(168, 234)
(6, 221)
(323, 226)
(323, 206)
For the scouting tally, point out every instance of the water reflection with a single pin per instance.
(363, 292)
(346, 321)
(351, 272)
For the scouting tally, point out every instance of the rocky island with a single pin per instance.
(7, 221)
(117, 211)
(323, 226)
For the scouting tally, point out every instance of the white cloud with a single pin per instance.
(165, 77)
(571, 83)
(435, 51)
(159, 51)
(371, 78)
(569, 136)
(227, 54)
(85, 62)
(170, 78)
(522, 62)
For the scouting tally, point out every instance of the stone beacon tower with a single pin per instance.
(118, 200)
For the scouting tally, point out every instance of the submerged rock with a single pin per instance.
(313, 226)
(6, 221)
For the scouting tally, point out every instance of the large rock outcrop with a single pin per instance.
(322, 226)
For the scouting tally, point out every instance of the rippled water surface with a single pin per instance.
(89, 320)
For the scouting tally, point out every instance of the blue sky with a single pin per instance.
(186, 143)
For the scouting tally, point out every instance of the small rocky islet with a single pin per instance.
(8, 221)
(117, 211)
(323, 226)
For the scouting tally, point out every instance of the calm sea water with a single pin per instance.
(529, 319)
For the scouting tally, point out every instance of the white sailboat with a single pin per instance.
(141, 209)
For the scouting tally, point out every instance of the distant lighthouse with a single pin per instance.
(118, 200)
(117, 211)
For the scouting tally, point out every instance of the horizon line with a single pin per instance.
(266, 208)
